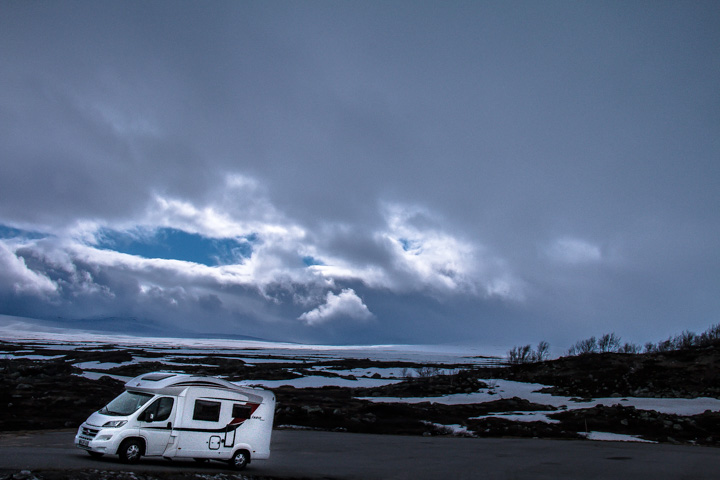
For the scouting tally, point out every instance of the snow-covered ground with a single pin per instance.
(96, 375)
(614, 437)
(29, 357)
(537, 416)
(399, 373)
(14, 329)
(94, 365)
(528, 391)
(454, 429)
(315, 381)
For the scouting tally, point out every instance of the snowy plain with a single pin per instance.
(13, 328)
(296, 356)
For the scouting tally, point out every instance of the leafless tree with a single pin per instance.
(609, 343)
(543, 351)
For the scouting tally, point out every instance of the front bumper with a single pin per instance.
(96, 439)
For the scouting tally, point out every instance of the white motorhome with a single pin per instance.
(175, 415)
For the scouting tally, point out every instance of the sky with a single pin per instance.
(486, 172)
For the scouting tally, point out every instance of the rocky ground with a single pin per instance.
(46, 394)
(49, 393)
(690, 373)
(120, 475)
(700, 429)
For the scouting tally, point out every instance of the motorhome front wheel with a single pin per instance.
(130, 451)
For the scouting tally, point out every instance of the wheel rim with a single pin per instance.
(240, 459)
(132, 452)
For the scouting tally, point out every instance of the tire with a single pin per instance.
(130, 451)
(240, 460)
(95, 454)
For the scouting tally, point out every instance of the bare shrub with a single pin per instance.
(520, 354)
(630, 348)
(543, 351)
(526, 354)
(686, 339)
(584, 347)
(710, 336)
(683, 341)
(666, 345)
(427, 372)
(609, 343)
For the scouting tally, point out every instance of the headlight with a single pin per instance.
(115, 423)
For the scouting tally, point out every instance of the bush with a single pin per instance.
(583, 347)
(683, 341)
(630, 348)
(526, 354)
(711, 336)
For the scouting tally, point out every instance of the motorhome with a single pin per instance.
(174, 415)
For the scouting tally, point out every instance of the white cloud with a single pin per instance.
(345, 305)
(574, 251)
(239, 274)
(19, 277)
(431, 258)
(219, 220)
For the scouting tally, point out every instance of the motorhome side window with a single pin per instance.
(241, 411)
(159, 410)
(206, 410)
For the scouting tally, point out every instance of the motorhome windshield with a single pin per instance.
(125, 404)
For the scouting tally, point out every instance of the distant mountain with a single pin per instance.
(128, 326)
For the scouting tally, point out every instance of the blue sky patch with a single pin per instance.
(409, 245)
(174, 244)
(310, 261)
(10, 232)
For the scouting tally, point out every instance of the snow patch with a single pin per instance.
(532, 416)
(457, 430)
(529, 391)
(614, 437)
(31, 357)
(315, 381)
(97, 376)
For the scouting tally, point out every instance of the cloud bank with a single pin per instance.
(362, 172)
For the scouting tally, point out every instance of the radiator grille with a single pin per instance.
(88, 432)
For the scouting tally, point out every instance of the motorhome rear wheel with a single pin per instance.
(239, 460)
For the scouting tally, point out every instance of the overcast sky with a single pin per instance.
(363, 172)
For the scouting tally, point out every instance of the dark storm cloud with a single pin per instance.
(551, 166)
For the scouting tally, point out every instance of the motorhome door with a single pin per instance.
(156, 424)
